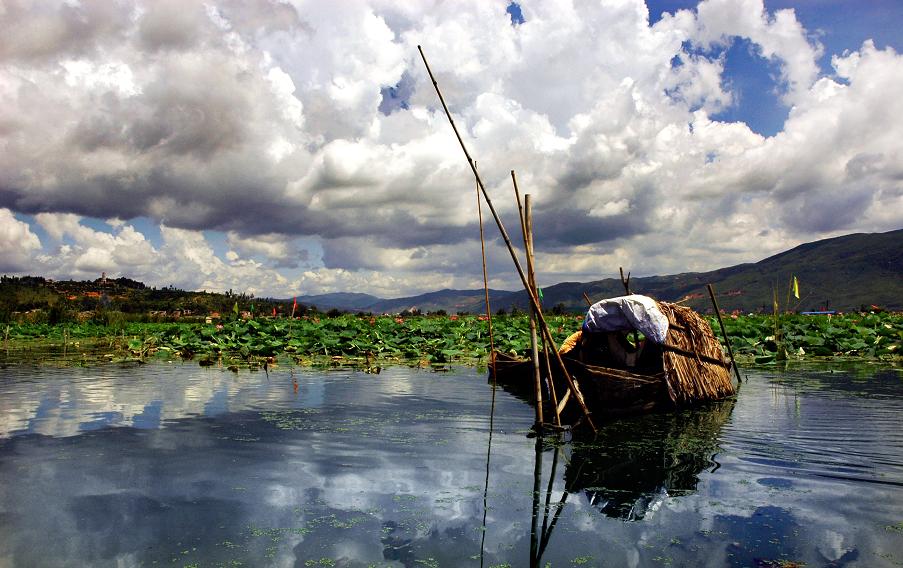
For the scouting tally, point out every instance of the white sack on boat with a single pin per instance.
(626, 313)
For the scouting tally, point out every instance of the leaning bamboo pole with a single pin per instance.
(727, 340)
(520, 271)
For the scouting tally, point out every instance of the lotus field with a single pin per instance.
(856, 335)
(429, 340)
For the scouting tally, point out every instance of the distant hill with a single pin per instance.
(842, 273)
(346, 301)
(451, 301)
(71, 300)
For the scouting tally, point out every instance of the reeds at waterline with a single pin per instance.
(778, 316)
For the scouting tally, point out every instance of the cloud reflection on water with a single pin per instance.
(198, 465)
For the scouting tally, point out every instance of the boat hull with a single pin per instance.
(607, 392)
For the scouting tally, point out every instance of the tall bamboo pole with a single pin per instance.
(520, 271)
(531, 269)
(520, 209)
(531, 281)
(486, 285)
(494, 370)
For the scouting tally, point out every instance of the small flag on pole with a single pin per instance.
(796, 288)
(294, 305)
(274, 311)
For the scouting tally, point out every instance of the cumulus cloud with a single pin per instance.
(271, 122)
(86, 252)
(276, 247)
(778, 36)
(17, 243)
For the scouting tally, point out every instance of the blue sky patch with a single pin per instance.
(397, 97)
(756, 85)
(517, 16)
(755, 81)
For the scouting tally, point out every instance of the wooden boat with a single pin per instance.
(687, 368)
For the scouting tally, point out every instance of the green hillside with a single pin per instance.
(842, 273)
(348, 301)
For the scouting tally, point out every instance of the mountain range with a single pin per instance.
(842, 273)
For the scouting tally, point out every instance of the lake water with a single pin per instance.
(178, 465)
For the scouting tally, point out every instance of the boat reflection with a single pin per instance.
(629, 468)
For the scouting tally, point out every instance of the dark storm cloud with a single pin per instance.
(35, 31)
(825, 212)
(170, 24)
(565, 228)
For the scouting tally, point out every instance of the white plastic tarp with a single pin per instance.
(627, 313)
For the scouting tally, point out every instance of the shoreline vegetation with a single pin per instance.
(437, 340)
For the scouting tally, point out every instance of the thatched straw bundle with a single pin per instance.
(690, 377)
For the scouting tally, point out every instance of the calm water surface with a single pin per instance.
(178, 465)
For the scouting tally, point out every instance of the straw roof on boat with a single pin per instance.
(692, 356)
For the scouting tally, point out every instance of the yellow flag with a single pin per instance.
(796, 288)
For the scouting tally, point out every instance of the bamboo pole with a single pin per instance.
(531, 270)
(551, 383)
(520, 209)
(694, 355)
(494, 370)
(486, 286)
(531, 281)
(727, 340)
(534, 351)
(526, 225)
(520, 271)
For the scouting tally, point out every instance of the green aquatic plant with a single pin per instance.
(371, 341)
(861, 335)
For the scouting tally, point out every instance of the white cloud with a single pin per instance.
(262, 121)
(779, 36)
(17, 243)
(125, 251)
(276, 247)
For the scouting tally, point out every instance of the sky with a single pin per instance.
(285, 148)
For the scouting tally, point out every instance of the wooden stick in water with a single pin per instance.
(534, 351)
(520, 271)
(531, 269)
(727, 340)
(492, 362)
